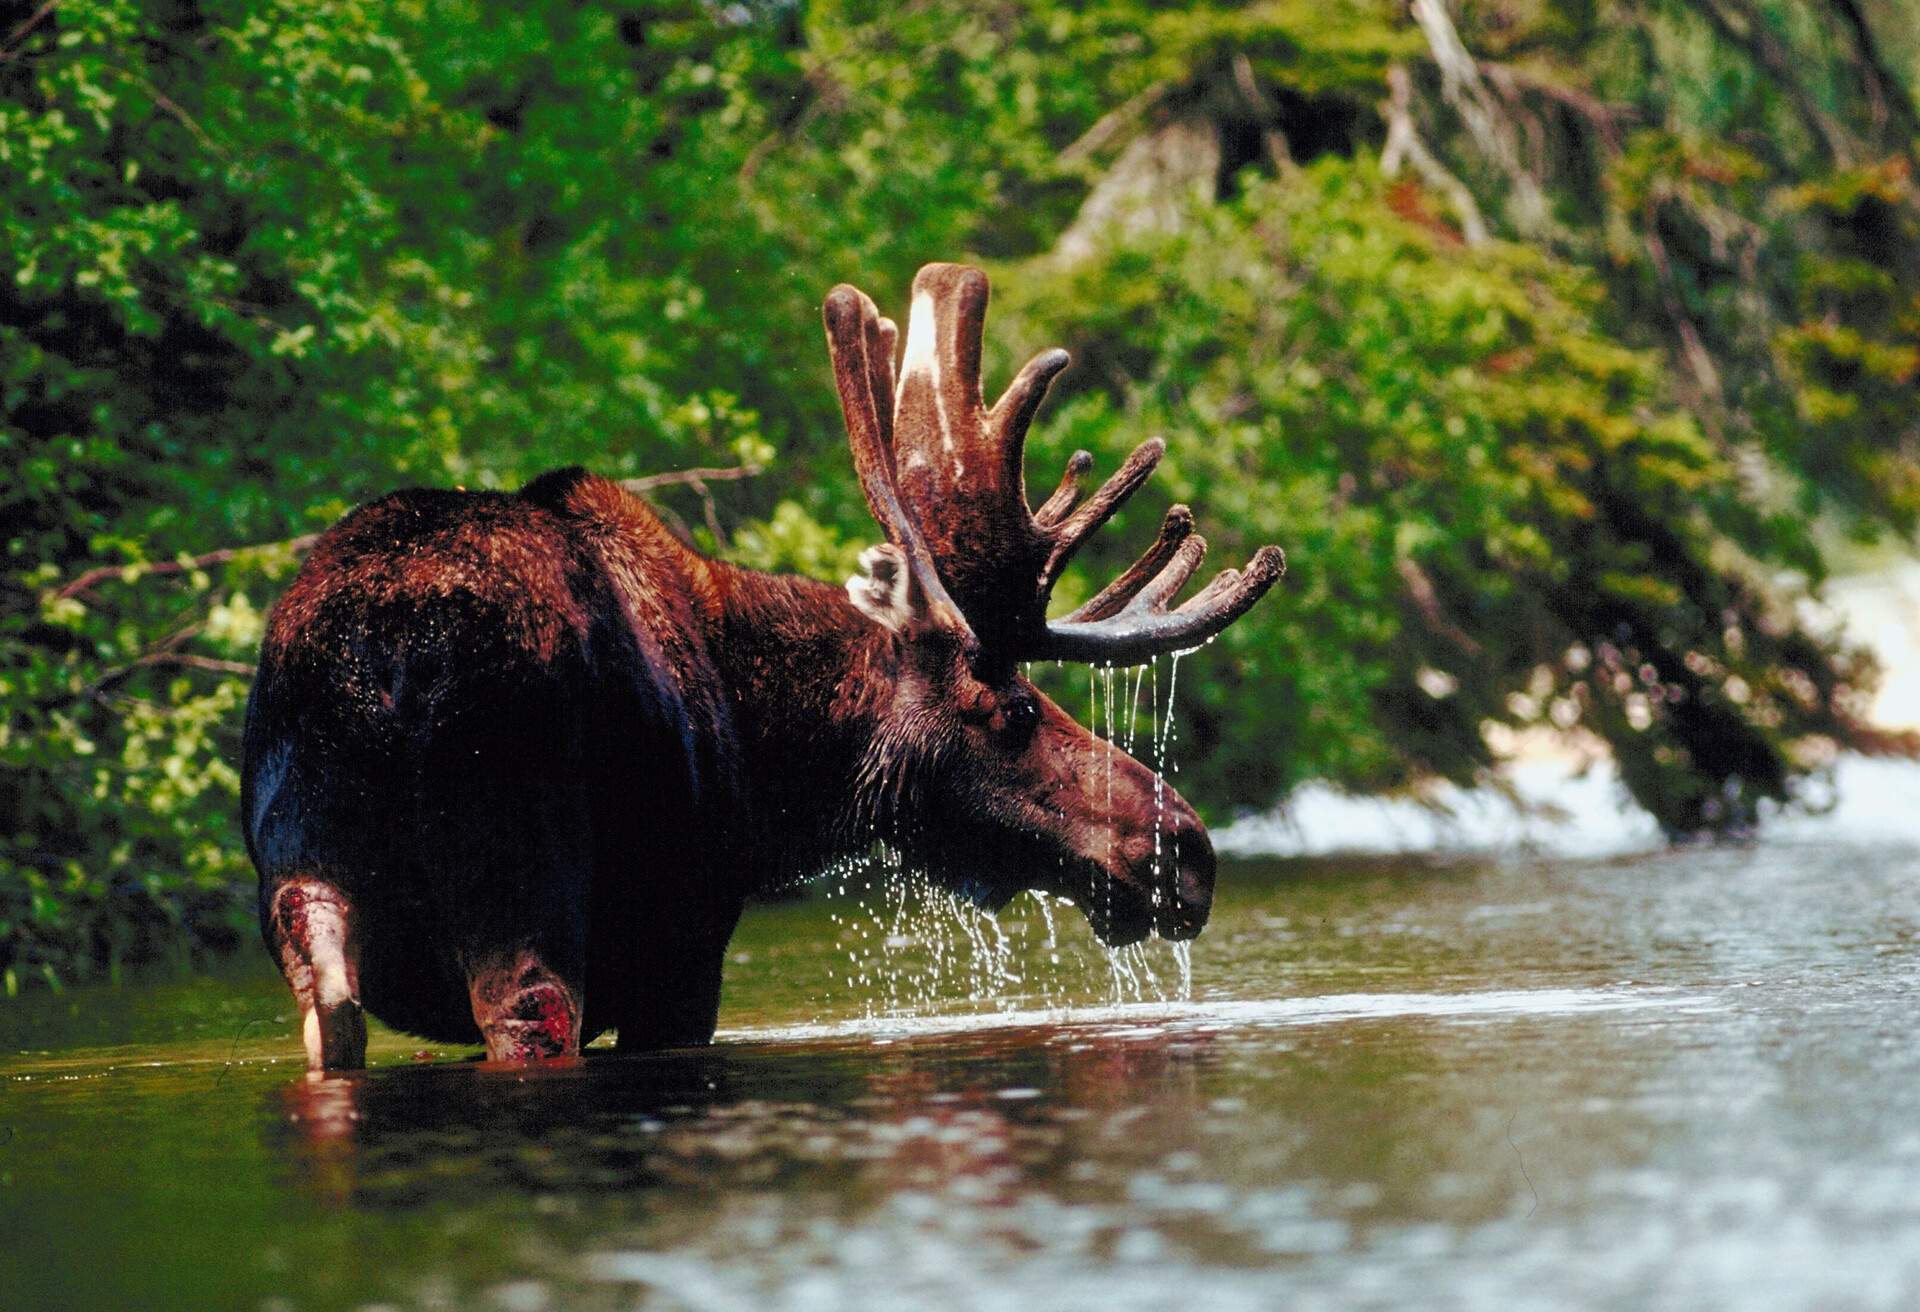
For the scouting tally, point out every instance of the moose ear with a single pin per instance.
(885, 593)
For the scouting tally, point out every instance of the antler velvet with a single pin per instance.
(944, 476)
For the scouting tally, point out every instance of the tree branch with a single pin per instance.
(185, 659)
(1885, 91)
(139, 570)
(1426, 599)
(1765, 50)
(172, 108)
(131, 572)
(1111, 124)
(1403, 143)
(1604, 118)
(1692, 348)
(1279, 153)
(164, 652)
(697, 479)
(11, 49)
(689, 477)
(1462, 87)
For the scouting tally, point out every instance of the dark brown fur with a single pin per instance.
(540, 752)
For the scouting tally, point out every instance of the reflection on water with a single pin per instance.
(1570, 806)
(1684, 1079)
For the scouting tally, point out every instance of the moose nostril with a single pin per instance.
(1193, 866)
(1185, 914)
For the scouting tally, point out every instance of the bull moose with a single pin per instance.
(515, 761)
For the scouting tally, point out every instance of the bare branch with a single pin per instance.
(1692, 348)
(1426, 599)
(137, 570)
(1111, 124)
(1885, 91)
(196, 662)
(170, 107)
(1463, 88)
(1605, 118)
(183, 659)
(697, 479)
(1753, 36)
(677, 526)
(1279, 153)
(1403, 143)
(152, 569)
(11, 49)
(825, 93)
(829, 93)
(689, 477)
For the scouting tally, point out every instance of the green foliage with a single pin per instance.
(1495, 515)
(261, 262)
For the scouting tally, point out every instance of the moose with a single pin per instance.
(514, 762)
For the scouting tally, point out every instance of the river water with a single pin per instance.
(1666, 1079)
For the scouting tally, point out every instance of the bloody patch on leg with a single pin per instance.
(525, 1011)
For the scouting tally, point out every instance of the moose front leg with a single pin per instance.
(527, 1010)
(310, 924)
(674, 1000)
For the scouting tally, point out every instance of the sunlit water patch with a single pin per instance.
(1681, 1080)
(1181, 1016)
(1563, 807)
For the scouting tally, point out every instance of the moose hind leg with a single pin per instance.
(312, 926)
(525, 1010)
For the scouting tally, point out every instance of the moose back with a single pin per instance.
(515, 761)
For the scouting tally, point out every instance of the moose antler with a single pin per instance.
(944, 476)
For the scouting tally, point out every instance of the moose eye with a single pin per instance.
(1020, 715)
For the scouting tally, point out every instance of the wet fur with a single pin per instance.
(503, 724)
(530, 754)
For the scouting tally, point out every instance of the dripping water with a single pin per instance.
(909, 949)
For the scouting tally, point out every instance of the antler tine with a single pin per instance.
(1145, 628)
(1167, 583)
(945, 327)
(1221, 584)
(957, 465)
(860, 343)
(883, 348)
(847, 314)
(1174, 530)
(1013, 413)
(947, 481)
(1100, 507)
(1056, 507)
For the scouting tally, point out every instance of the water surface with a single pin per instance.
(1683, 1079)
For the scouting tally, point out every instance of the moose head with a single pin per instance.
(974, 773)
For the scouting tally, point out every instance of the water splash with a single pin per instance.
(912, 950)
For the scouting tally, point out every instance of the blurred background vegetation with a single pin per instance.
(1559, 343)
